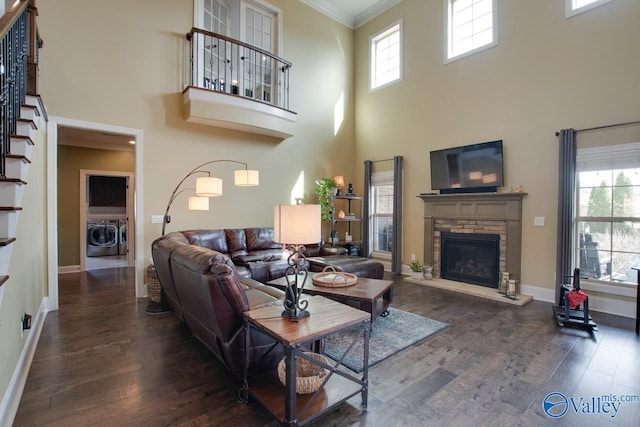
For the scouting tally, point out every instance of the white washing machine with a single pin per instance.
(102, 237)
(122, 237)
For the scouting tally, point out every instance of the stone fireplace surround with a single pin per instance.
(477, 213)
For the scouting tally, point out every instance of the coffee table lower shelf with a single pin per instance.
(270, 392)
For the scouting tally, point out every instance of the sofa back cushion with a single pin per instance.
(211, 239)
(236, 241)
(260, 238)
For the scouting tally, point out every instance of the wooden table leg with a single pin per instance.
(290, 416)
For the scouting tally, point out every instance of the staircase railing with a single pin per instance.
(222, 64)
(19, 46)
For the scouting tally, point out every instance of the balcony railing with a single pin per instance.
(222, 64)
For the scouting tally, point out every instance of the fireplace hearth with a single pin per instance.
(470, 258)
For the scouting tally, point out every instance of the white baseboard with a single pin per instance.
(13, 394)
(68, 269)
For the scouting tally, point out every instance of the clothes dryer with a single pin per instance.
(102, 237)
(122, 237)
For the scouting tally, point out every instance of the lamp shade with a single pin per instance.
(339, 181)
(209, 186)
(197, 203)
(297, 224)
(246, 178)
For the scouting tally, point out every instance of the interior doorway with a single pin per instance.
(106, 219)
(104, 136)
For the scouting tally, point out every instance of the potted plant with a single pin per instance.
(325, 188)
(417, 267)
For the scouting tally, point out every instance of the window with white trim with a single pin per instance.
(608, 213)
(471, 27)
(386, 56)
(574, 7)
(381, 214)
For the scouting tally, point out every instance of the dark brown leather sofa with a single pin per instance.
(209, 278)
(252, 250)
(203, 289)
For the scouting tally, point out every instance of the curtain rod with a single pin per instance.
(383, 160)
(637, 122)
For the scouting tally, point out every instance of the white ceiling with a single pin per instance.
(87, 138)
(352, 13)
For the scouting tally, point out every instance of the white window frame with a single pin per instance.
(378, 179)
(238, 33)
(373, 40)
(448, 37)
(572, 8)
(605, 157)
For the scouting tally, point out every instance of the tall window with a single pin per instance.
(608, 212)
(381, 211)
(471, 26)
(386, 56)
(574, 7)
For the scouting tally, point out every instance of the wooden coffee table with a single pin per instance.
(370, 295)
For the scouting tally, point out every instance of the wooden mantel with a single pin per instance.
(503, 207)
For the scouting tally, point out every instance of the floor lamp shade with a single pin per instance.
(297, 224)
(246, 178)
(197, 203)
(209, 186)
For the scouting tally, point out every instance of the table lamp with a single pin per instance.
(294, 226)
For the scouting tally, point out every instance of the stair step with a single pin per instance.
(6, 241)
(14, 180)
(3, 279)
(34, 99)
(18, 157)
(8, 223)
(31, 112)
(21, 145)
(17, 166)
(11, 191)
(26, 127)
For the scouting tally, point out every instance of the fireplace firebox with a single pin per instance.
(470, 258)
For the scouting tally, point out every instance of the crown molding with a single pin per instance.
(347, 19)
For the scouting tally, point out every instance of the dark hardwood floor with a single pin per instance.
(102, 361)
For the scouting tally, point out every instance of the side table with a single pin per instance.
(327, 317)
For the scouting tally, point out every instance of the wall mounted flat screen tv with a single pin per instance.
(475, 168)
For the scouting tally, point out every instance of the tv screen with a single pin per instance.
(467, 169)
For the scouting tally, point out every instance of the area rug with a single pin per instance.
(389, 335)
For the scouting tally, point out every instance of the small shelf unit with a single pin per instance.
(339, 203)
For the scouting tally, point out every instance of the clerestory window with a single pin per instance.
(386, 56)
(471, 27)
(574, 7)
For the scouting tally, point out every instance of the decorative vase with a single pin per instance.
(427, 274)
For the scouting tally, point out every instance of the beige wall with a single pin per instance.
(547, 73)
(70, 161)
(125, 70)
